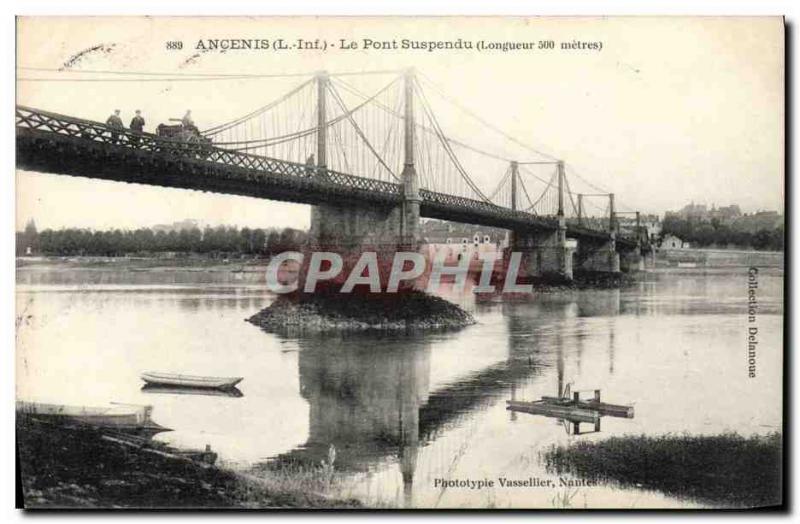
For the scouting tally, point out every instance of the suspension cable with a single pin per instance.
(196, 76)
(549, 185)
(500, 183)
(311, 130)
(355, 125)
(427, 129)
(224, 127)
(444, 141)
(525, 191)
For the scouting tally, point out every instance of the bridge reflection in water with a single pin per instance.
(370, 396)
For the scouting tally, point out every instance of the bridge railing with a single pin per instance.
(486, 208)
(87, 130)
(83, 131)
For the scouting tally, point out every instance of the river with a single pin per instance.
(404, 411)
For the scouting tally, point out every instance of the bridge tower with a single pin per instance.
(600, 255)
(546, 253)
(410, 232)
(633, 259)
(352, 228)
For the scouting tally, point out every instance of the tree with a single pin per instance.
(29, 239)
(259, 239)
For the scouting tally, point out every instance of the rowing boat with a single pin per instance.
(190, 381)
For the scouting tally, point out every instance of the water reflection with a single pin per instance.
(364, 397)
(567, 406)
(369, 396)
(605, 303)
(233, 392)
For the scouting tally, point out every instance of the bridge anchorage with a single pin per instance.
(371, 166)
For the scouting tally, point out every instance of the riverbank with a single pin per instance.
(76, 468)
(718, 258)
(331, 311)
(198, 263)
(725, 470)
(252, 264)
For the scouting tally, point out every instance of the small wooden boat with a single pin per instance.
(126, 418)
(190, 381)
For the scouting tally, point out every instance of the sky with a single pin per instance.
(670, 111)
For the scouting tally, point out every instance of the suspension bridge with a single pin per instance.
(370, 163)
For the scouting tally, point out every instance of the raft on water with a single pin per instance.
(573, 409)
(542, 407)
(604, 408)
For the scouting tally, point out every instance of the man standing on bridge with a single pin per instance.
(137, 125)
(310, 165)
(187, 121)
(115, 122)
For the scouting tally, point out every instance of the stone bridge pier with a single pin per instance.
(631, 259)
(545, 254)
(347, 227)
(598, 256)
(351, 231)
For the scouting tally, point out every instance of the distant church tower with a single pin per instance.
(30, 238)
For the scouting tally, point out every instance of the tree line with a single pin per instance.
(717, 234)
(118, 242)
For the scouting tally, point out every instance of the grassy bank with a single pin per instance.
(76, 468)
(722, 470)
(325, 311)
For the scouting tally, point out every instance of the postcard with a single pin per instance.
(400, 262)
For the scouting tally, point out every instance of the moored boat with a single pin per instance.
(189, 381)
(127, 418)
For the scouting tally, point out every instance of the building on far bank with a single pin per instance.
(178, 226)
(672, 242)
(725, 214)
(651, 224)
(701, 213)
(459, 241)
(694, 211)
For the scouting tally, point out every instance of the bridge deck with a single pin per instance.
(60, 144)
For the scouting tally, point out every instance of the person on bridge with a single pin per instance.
(115, 122)
(311, 165)
(187, 121)
(137, 125)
